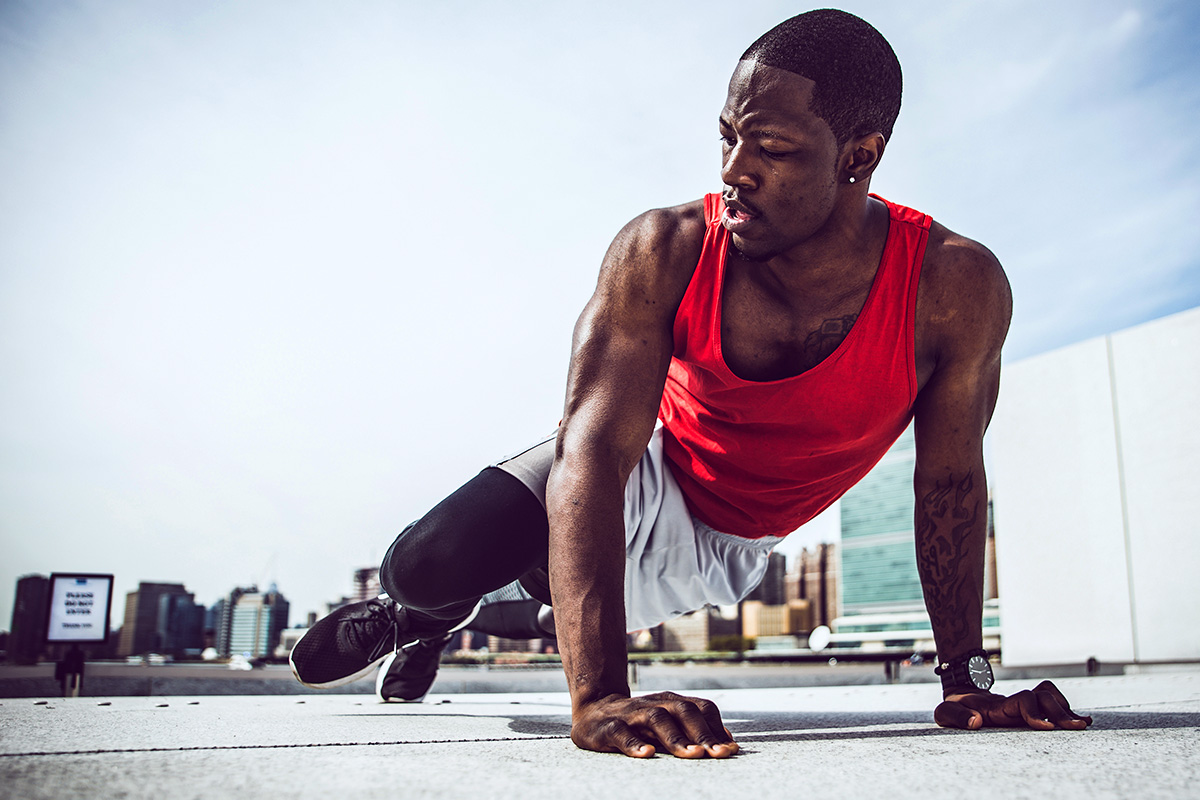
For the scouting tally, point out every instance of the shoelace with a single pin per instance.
(380, 628)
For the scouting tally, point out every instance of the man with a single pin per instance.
(745, 359)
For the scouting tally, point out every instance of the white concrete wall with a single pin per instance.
(1060, 541)
(1157, 369)
(1095, 464)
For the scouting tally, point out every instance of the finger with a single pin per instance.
(697, 717)
(952, 714)
(1050, 688)
(662, 727)
(695, 726)
(1053, 711)
(995, 711)
(712, 716)
(1031, 710)
(618, 736)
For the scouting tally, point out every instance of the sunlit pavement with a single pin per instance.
(829, 741)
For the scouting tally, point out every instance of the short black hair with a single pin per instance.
(857, 76)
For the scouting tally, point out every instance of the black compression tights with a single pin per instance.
(489, 533)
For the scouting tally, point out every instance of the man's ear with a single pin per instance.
(861, 155)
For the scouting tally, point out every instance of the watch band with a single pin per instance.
(955, 674)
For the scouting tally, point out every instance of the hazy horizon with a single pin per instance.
(275, 278)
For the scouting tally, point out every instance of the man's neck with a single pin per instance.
(839, 257)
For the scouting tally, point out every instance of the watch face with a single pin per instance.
(980, 672)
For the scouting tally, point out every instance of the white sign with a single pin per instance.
(79, 607)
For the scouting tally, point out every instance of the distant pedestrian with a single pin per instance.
(69, 672)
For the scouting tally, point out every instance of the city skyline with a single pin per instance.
(274, 280)
(159, 618)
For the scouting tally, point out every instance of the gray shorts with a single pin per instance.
(674, 563)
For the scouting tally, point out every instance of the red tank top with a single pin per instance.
(761, 458)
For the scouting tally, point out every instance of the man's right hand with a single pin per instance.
(619, 361)
(685, 727)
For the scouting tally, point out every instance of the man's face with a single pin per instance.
(778, 161)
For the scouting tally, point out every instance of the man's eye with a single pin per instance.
(728, 141)
(772, 154)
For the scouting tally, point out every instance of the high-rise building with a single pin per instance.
(256, 620)
(366, 584)
(214, 626)
(881, 595)
(814, 578)
(180, 628)
(771, 589)
(366, 587)
(879, 564)
(696, 630)
(141, 632)
(223, 611)
(27, 638)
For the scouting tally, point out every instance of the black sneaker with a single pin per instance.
(348, 643)
(406, 675)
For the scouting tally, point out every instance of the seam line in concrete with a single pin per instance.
(275, 746)
(1116, 412)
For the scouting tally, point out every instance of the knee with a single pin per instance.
(410, 576)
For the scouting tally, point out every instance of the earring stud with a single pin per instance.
(851, 179)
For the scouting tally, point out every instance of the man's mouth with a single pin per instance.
(738, 215)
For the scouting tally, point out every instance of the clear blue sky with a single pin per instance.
(276, 276)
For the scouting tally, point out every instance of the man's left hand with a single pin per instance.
(1042, 709)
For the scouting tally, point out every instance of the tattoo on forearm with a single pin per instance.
(945, 522)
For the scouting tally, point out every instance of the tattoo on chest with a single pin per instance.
(946, 521)
(825, 339)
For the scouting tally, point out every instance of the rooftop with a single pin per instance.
(861, 740)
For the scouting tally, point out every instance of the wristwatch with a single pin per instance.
(969, 672)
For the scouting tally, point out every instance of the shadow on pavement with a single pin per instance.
(784, 726)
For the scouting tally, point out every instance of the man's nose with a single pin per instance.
(736, 170)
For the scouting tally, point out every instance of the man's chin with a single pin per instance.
(751, 251)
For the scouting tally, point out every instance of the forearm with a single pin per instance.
(587, 571)
(951, 535)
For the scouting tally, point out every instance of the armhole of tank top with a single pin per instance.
(712, 206)
(910, 323)
(715, 309)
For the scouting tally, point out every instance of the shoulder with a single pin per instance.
(963, 300)
(661, 238)
(655, 253)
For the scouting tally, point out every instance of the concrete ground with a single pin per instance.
(110, 679)
(822, 741)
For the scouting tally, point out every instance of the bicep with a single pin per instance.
(952, 413)
(955, 405)
(615, 382)
(623, 340)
